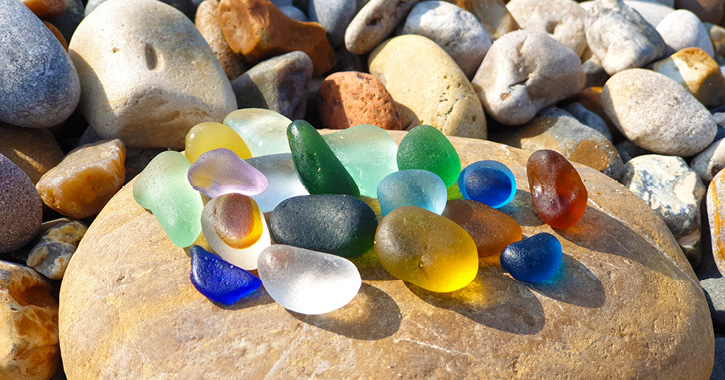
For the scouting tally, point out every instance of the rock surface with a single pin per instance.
(35, 150)
(562, 19)
(716, 215)
(21, 210)
(207, 21)
(494, 16)
(696, 71)
(147, 74)
(682, 29)
(623, 272)
(56, 247)
(334, 16)
(710, 161)
(374, 23)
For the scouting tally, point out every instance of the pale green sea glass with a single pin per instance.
(264, 131)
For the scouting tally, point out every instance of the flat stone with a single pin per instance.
(38, 84)
(374, 23)
(152, 320)
(705, 10)
(278, 84)
(682, 29)
(557, 130)
(56, 247)
(334, 16)
(562, 19)
(258, 30)
(656, 113)
(21, 210)
(524, 72)
(207, 21)
(697, 72)
(457, 31)
(444, 100)
(350, 98)
(34, 151)
(494, 16)
(672, 190)
(620, 37)
(28, 324)
(170, 81)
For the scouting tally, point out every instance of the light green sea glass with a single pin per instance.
(264, 131)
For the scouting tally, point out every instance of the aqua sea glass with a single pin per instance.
(163, 188)
(367, 152)
(308, 282)
(207, 136)
(489, 182)
(218, 280)
(426, 148)
(221, 171)
(282, 180)
(419, 188)
(263, 130)
(535, 259)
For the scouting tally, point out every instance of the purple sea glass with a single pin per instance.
(221, 171)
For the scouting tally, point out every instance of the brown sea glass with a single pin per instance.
(491, 230)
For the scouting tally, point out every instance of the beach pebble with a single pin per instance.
(682, 29)
(492, 14)
(34, 151)
(562, 19)
(294, 13)
(46, 8)
(334, 16)
(710, 161)
(68, 21)
(716, 218)
(673, 191)
(445, 99)
(652, 11)
(697, 72)
(595, 73)
(21, 210)
(657, 114)
(147, 74)
(185, 6)
(375, 22)
(705, 10)
(714, 289)
(620, 37)
(51, 255)
(523, 72)
(207, 21)
(38, 84)
(588, 118)
(629, 150)
(282, 180)
(457, 31)
(717, 38)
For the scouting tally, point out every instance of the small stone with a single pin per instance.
(221, 171)
(33, 150)
(264, 131)
(652, 11)
(46, 8)
(591, 99)
(28, 324)
(714, 289)
(489, 182)
(455, 30)
(620, 37)
(717, 38)
(334, 16)
(445, 99)
(426, 249)
(491, 230)
(682, 29)
(628, 150)
(673, 191)
(218, 280)
(710, 161)
(184, 6)
(412, 187)
(207, 22)
(374, 23)
(593, 70)
(705, 10)
(338, 224)
(494, 16)
(282, 179)
(85, 180)
(294, 13)
(524, 72)
(656, 113)
(56, 247)
(278, 84)
(562, 19)
(308, 282)
(588, 118)
(535, 259)
(169, 79)
(258, 30)
(426, 148)
(347, 99)
(697, 72)
(38, 84)
(716, 216)
(69, 20)
(205, 137)
(21, 210)
(235, 229)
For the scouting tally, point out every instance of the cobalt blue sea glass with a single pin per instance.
(218, 280)
(535, 259)
(414, 187)
(488, 182)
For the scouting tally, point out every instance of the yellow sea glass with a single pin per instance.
(207, 136)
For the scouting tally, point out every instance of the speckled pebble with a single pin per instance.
(21, 210)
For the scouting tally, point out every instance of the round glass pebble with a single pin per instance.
(218, 280)
(282, 180)
(535, 259)
(419, 188)
(208, 136)
(221, 171)
(426, 148)
(264, 131)
(557, 191)
(489, 182)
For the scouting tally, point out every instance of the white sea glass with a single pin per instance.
(264, 131)
(282, 179)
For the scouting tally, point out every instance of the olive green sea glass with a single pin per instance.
(426, 148)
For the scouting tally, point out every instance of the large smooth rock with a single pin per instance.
(147, 74)
(682, 29)
(625, 305)
(445, 99)
(696, 71)
(38, 84)
(562, 19)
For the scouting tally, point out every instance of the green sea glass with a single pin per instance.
(425, 147)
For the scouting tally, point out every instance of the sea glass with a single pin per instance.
(557, 191)
(488, 182)
(263, 130)
(162, 188)
(491, 230)
(426, 249)
(235, 229)
(308, 282)
(419, 188)
(535, 259)
(282, 180)
(218, 280)
(318, 167)
(221, 171)
(367, 152)
(426, 148)
(208, 136)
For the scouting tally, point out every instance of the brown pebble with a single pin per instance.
(207, 21)
(57, 34)
(33, 150)
(46, 8)
(491, 229)
(347, 99)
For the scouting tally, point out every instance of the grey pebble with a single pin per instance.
(21, 210)
(374, 23)
(334, 16)
(588, 118)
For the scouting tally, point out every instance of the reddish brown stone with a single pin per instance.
(46, 8)
(207, 21)
(34, 150)
(57, 34)
(707, 10)
(350, 98)
(258, 30)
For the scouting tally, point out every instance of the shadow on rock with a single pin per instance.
(574, 284)
(522, 210)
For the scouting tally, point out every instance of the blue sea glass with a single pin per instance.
(414, 187)
(218, 280)
(535, 259)
(489, 182)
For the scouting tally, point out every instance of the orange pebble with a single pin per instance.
(57, 34)
(46, 8)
